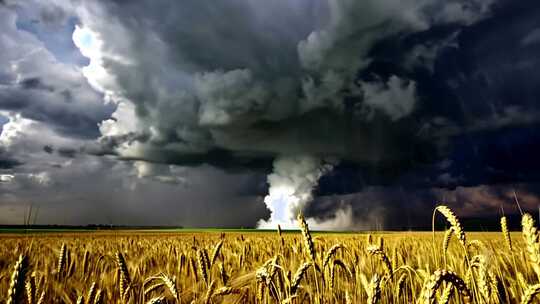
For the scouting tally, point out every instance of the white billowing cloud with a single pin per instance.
(146, 169)
(41, 178)
(343, 219)
(122, 121)
(26, 138)
(291, 186)
(159, 172)
(396, 98)
(6, 178)
(13, 129)
(91, 45)
(353, 28)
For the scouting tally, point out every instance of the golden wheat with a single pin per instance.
(454, 222)
(16, 284)
(259, 267)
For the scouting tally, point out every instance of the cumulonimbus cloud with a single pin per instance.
(226, 84)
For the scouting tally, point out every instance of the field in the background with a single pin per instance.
(267, 267)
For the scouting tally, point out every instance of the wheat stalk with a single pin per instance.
(209, 292)
(85, 261)
(400, 284)
(42, 298)
(80, 300)
(91, 293)
(374, 290)
(223, 274)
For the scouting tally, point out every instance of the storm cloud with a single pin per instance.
(426, 96)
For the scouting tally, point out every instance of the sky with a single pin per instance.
(360, 114)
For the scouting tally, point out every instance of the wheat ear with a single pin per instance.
(439, 276)
(125, 280)
(171, 285)
(506, 232)
(308, 240)
(454, 222)
(530, 236)
(31, 289)
(530, 293)
(379, 252)
(330, 254)
(16, 284)
(300, 273)
(201, 263)
(215, 253)
(62, 256)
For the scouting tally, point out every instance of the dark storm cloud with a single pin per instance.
(8, 163)
(67, 152)
(396, 207)
(52, 110)
(35, 83)
(478, 104)
(53, 15)
(105, 191)
(7, 160)
(419, 97)
(48, 149)
(253, 88)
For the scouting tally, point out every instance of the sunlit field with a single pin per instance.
(272, 266)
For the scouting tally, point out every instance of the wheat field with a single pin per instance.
(450, 266)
